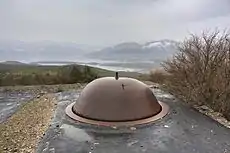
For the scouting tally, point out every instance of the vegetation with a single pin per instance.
(158, 76)
(48, 75)
(25, 74)
(200, 72)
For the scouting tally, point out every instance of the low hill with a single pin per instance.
(26, 74)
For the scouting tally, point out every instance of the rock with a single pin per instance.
(52, 150)
(133, 128)
(15, 150)
(204, 108)
(114, 127)
(43, 92)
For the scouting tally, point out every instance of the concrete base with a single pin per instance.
(184, 130)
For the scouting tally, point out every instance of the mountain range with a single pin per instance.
(44, 50)
(132, 51)
(53, 51)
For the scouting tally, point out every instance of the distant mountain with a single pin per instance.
(12, 63)
(53, 63)
(49, 52)
(44, 50)
(131, 51)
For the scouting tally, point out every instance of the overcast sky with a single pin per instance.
(107, 22)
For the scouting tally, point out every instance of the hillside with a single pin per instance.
(25, 74)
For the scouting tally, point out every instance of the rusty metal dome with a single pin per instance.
(116, 101)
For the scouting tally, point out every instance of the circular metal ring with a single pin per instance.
(160, 115)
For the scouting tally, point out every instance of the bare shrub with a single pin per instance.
(158, 76)
(200, 72)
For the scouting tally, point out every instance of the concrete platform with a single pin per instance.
(184, 130)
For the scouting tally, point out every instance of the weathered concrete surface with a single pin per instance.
(10, 102)
(184, 130)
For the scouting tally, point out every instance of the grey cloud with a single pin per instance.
(106, 22)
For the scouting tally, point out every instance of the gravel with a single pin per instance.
(22, 131)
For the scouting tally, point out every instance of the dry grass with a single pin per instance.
(23, 130)
(42, 88)
(200, 72)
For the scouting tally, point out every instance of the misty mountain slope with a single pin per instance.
(44, 50)
(53, 51)
(156, 50)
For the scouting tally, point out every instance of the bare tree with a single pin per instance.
(200, 72)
